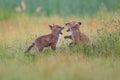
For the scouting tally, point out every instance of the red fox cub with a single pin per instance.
(47, 40)
(76, 34)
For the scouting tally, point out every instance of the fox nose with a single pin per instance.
(68, 30)
(62, 27)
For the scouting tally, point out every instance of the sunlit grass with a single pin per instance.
(79, 63)
(60, 67)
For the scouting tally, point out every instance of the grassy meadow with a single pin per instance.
(18, 29)
(81, 62)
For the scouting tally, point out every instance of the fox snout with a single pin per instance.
(68, 30)
(61, 30)
(62, 27)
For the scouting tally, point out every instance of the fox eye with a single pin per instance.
(67, 23)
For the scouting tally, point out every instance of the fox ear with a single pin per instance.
(79, 23)
(51, 26)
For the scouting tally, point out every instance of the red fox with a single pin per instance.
(76, 34)
(47, 40)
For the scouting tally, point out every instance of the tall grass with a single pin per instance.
(20, 32)
(80, 62)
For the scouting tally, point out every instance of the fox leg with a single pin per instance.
(68, 37)
(53, 46)
(72, 44)
(40, 49)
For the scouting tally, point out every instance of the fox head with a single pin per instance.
(73, 27)
(56, 28)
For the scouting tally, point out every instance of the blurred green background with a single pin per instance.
(56, 7)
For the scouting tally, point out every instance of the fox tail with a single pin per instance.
(30, 47)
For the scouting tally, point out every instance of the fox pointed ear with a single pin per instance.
(79, 23)
(51, 26)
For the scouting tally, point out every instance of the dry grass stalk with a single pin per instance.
(23, 5)
(38, 9)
